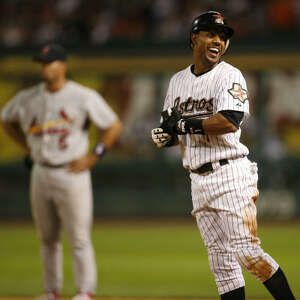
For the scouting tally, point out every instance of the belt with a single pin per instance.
(53, 166)
(209, 167)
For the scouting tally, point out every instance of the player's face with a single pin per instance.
(209, 46)
(53, 71)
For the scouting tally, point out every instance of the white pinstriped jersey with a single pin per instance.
(54, 123)
(222, 88)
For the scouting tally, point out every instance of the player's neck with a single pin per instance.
(200, 68)
(203, 64)
(55, 86)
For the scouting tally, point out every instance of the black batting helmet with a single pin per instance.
(211, 20)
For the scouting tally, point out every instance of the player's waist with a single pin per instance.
(210, 166)
(53, 165)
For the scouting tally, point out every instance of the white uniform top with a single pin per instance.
(54, 123)
(222, 88)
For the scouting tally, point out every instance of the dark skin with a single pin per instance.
(208, 47)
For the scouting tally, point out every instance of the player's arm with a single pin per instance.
(111, 134)
(221, 123)
(108, 139)
(225, 121)
(16, 133)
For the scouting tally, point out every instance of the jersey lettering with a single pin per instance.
(194, 105)
(222, 88)
(56, 121)
(52, 128)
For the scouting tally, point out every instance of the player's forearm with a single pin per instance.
(15, 132)
(110, 136)
(217, 125)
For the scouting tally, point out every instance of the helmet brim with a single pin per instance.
(224, 28)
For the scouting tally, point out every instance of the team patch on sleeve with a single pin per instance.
(237, 92)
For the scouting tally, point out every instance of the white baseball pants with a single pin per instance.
(225, 210)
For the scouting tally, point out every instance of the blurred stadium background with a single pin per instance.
(128, 50)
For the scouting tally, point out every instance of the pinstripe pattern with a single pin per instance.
(223, 199)
(225, 211)
(211, 85)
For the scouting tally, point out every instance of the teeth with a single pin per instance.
(216, 50)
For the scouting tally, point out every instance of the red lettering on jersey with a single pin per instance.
(65, 116)
(52, 128)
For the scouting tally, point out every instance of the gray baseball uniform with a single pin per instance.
(56, 131)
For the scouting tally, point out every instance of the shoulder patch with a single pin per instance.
(237, 92)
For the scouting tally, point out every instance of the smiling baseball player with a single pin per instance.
(50, 121)
(205, 105)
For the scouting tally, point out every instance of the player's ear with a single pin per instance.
(194, 37)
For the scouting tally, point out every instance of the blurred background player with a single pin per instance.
(50, 121)
(205, 105)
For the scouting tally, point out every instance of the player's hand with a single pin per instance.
(171, 118)
(84, 163)
(160, 137)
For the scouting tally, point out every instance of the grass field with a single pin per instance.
(136, 258)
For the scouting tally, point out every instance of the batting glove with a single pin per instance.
(161, 138)
(193, 126)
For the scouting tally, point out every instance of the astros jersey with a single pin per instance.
(222, 88)
(55, 123)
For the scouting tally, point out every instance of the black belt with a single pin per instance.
(209, 167)
(53, 166)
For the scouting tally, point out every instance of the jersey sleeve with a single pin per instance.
(99, 112)
(167, 102)
(233, 93)
(11, 111)
(168, 99)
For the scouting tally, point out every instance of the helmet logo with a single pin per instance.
(219, 19)
(45, 50)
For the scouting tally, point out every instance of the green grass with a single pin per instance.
(141, 259)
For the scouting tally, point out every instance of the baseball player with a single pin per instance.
(205, 106)
(50, 121)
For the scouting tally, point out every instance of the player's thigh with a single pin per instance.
(240, 225)
(43, 208)
(76, 205)
(210, 225)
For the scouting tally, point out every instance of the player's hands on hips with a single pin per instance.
(160, 137)
(83, 163)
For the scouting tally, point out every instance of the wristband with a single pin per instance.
(100, 149)
(193, 126)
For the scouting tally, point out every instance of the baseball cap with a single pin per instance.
(50, 53)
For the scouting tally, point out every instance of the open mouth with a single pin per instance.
(214, 51)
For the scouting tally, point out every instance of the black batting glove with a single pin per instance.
(192, 126)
